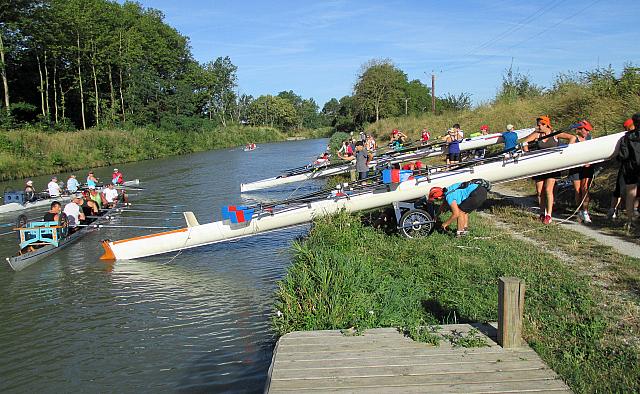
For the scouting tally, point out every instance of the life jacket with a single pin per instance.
(425, 136)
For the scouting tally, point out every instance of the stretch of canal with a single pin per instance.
(199, 321)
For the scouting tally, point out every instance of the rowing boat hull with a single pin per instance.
(478, 142)
(20, 262)
(534, 163)
(13, 207)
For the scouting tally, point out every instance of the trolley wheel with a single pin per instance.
(416, 223)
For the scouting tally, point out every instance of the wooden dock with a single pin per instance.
(384, 360)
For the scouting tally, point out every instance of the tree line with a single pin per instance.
(97, 63)
(382, 90)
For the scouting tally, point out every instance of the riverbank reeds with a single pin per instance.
(348, 275)
(30, 152)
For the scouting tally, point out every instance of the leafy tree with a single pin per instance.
(221, 80)
(273, 111)
(418, 97)
(379, 89)
(516, 85)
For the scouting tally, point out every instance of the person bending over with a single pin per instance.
(461, 198)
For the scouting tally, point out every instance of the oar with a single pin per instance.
(148, 211)
(126, 226)
(154, 205)
(8, 232)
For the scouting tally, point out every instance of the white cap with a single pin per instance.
(509, 127)
(78, 195)
(29, 183)
(115, 169)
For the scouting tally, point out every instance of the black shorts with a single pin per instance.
(549, 175)
(629, 176)
(579, 173)
(620, 185)
(362, 175)
(474, 201)
(453, 156)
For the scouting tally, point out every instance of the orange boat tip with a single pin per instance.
(108, 252)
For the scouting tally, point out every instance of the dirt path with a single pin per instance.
(619, 245)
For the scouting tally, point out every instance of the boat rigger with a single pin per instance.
(239, 222)
(315, 172)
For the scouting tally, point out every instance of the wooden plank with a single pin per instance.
(390, 353)
(408, 370)
(442, 360)
(535, 386)
(518, 380)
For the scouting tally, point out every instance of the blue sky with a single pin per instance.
(316, 48)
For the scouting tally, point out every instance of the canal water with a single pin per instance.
(195, 322)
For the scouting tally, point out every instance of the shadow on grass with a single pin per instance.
(444, 314)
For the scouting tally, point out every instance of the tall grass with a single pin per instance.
(348, 275)
(29, 152)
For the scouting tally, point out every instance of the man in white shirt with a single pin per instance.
(54, 188)
(111, 195)
(74, 213)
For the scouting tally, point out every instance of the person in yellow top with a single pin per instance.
(97, 197)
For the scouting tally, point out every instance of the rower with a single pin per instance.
(53, 215)
(117, 177)
(461, 199)
(54, 188)
(425, 136)
(29, 191)
(398, 139)
(72, 184)
(74, 212)
(110, 195)
(92, 180)
(322, 160)
(370, 144)
(96, 197)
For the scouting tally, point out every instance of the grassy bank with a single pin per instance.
(565, 103)
(348, 275)
(29, 152)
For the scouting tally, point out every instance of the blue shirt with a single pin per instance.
(459, 195)
(72, 185)
(91, 182)
(510, 140)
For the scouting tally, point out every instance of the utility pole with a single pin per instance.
(406, 111)
(433, 92)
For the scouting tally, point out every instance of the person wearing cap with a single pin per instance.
(453, 139)
(581, 176)
(72, 184)
(509, 138)
(110, 195)
(461, 198)
(398, 138)
(29, 192)
(480, 153)
(544, 182)
(117, 178)
(92, 180)
(629, 155)
(616, 197)
(74, 212)
(53, 188)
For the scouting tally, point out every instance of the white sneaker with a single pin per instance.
(586, 217)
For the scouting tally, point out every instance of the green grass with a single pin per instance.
(348, 275)
(29, 152)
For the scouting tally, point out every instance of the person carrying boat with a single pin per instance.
(629, 155)
(425, 136)
(110, 195)
(581, 176)
(117, 178)
(74, 212)
(370, 144)
(484, 130)
(53, 188)
(72, 184)
(53, 215)
(616, 197)
(510, 139)
(457, 128)
(92, 180)
(398, 139)
(30, 194)
(461, 198)
(453, 139)
(544, 182)
(362, 158)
